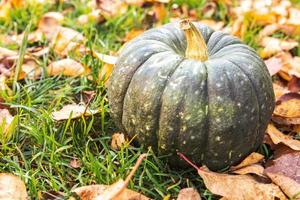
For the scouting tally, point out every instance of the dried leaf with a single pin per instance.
(132, 34)
(279, 90)
(216, 25)
(278, 137)
(294, 84)
(75, 163)
(268, 30)
(49, 24)
(67, 67)
(290, 187)
(286, 121)
(94, 16)
(72, 111)
(239, 187)
(290, 108)
(274, 65)
(12, 188)
(274, 45)
(105, 58)
(111, 8)
(118, 139)
(251, 169)
(284, 171)
(188, 194)
(253, 158)
(66, 40)
(116, 191)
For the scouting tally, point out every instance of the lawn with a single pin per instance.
(41, 150)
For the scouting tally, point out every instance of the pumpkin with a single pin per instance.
(184, 87)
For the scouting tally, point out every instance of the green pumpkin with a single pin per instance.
(214, 110)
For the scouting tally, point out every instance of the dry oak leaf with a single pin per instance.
(279, 90)
(188, 194)
(66, 40)
(274, 65)
(274, 45)
(290, 187)
(239, 187)
(67, 67)
(278, 137)
(251, 169)
(253, 158)
(73, 111)
(289, 108)
(12, 188)
(116, 191)
(111, 8)
(117, 141)
(236, 187)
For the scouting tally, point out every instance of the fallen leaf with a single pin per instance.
(12, 188)
(111, 8)
(290, 187)
(67, 67)
(239, 187)
(278, 137)
(216, 25)
(94, 16)
(253, 158)
(274, 65)
(75, 163)
(132, 34)
(188, 194)
(289, 108)
(118, 140)
(288, 96)
(66, 40)
(4, 52)
(116, 191)
(49, 23)
(286, 121)
(160, 12)
(251, 169)
(279, 90)
(105, 58)
(72, 111)
(274, 45)
(268, 30)
(294, 84)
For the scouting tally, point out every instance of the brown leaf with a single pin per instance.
(12, 188)
(278, 137)
(289, 108)
(116, 191)
(286, 163)
(118, 139)
(49, 23)
(75, 163)
(75, 110)
(290, 187)
(294, 84)
(274, 45)
(94, 16)
(274, 65)
(67, 67)
(268, 30)
(253, 158)
(286, 121)
(66, 40)
(251, 169)
(105, 58)
(216, 25)
(279, 90)
(188, 194)
(111, 8)
(239, 187)
(7, 125)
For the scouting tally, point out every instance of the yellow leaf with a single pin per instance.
(12, 188)
(67, 67)
(73, 111)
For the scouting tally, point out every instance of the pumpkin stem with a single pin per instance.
(196, 46)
